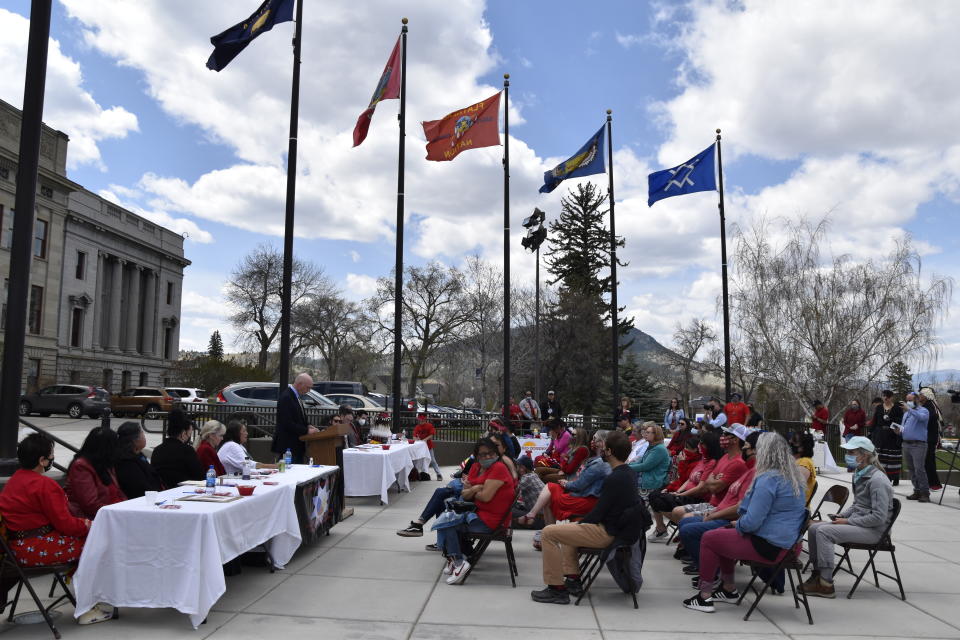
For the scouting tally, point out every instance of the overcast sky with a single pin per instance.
(824, 106)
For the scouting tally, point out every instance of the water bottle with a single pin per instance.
(246, 468)
(287, 459)
(211, 479)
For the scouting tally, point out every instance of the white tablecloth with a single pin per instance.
(823, 459)
(370, 472)
(139, 555)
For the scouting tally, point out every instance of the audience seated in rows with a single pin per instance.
(729, 467)
(692, 491)
(91, 477)
(134, 472)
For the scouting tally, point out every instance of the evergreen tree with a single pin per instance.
(639, 385)
(215, 348)
(901, 380)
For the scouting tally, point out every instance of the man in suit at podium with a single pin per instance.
(292, 419)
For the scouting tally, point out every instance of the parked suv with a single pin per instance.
(265, 394)
(326, 387)
(187, 394)
(146, 401)
(75, 400)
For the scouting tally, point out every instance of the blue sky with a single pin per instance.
(822, 109)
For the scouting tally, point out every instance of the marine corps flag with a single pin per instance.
(227, 45)
(387, 88)
(468, 128)
(587, 161)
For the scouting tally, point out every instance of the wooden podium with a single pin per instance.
(326, 447)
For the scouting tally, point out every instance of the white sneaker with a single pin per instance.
(449, 567)
(658, 536)
(459, 573)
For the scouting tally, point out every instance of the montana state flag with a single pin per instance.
(468, 128)
(387, 88)
(587, 161)
(227, 45)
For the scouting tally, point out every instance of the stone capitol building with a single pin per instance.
(105, 283)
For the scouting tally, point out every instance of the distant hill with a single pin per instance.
(645, 348)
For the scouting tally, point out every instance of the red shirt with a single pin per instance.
(424, 430)
(853, 420)
(728, 470)
(492, 513)
(208, 456)
(86, 491)
(574, 460)
(737, 489)
(737, 413)
(820, 419)
(31, 500)
(686, 463)
(702, 470)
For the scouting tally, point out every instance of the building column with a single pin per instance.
(98, 301)
(133, 309)
(116, 293)
(149, 313)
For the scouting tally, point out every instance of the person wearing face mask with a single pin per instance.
(92, 477)
(929, 399)
(729, 468)
(174, 459)
(886, 437)
(426, 431)
(864, 521)
(914, 434)
(854, 420)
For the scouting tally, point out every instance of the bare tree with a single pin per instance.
(254, 290)
(483, 295)
(827, 326)
(688, 342)
(336, 329)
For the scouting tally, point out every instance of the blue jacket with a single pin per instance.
(772, 510)
(915, 423)
(590, 479)
(652, 468)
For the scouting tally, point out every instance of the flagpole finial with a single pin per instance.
(506, 76)
(404, 20)
(718, 134)
(609, 111)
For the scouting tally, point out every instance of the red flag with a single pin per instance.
(387, 88)
(469, 128)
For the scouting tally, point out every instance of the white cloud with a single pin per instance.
(359, 286)
(628, 40)
(68, 106)
(354, 256)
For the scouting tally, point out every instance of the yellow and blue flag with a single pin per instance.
(227, 45)
(587, 161)
(696, 174)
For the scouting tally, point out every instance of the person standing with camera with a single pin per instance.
(914, 433)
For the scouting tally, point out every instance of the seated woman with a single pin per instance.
(211, 435)
(577, 496)
(686, 460)
(134, 473)
(769, 518)
(556, 452)
(803, 453)
(40, 528)
(233, 451)
(693, 490)
(578, 451)
(174, 459)
(863, 521)
(92, 477)
(679, 440)
(653, 466)
(500, 439)
(491, 487)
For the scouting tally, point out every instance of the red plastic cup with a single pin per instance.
(411, 441)
(385, 446)
(245, 489)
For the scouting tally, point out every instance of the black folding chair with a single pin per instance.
(816, 485)
(593, 560)
(883, 544)
(790, 563)
(504, 534)
(10, 567)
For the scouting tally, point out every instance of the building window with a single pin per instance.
(169, 293)
(6, 227)
(143, 379)
(40, 239)
(46, 192)
(124, 379)
(81, 272)
(4, 173)
(35, 310)
(76, 327)
(107, 379)
(33, 374)
(3, 311)
(168, 343)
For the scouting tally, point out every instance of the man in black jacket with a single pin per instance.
(174, 459)
(292, 420)
(550, 408)
(598, 529)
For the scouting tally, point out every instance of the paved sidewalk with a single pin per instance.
(363, 581)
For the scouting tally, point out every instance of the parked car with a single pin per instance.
(75, 400)
(265, 394)
(326, 387)
(356, 401)
(145, 401)
(187, 394)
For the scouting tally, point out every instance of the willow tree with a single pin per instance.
(826, 326)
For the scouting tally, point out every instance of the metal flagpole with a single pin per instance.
(284, 371)
(22, 241)
(398, 261)
(536, 334)
(615, 329)
(506, 244)
(723, 262)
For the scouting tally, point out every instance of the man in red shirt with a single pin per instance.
(737, 411)
(821, 416)
(426, 431)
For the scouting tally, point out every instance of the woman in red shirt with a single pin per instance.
(211, 435)
(91, 477)
(570, 463)
(491, 487)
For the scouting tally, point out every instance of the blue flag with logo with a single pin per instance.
(696, 174)
(587, 161)
(227, 45)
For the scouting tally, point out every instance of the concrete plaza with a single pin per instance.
(363, 581)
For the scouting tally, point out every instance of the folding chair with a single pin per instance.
(883, 544)
(816, 485)
(504, 534)
(9, 565)
(789, 563)
(592, 562)
(838, 494)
